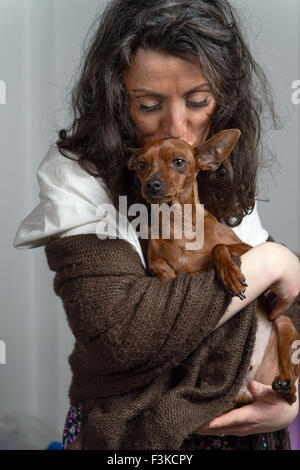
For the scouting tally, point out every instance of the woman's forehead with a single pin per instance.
(151, 68)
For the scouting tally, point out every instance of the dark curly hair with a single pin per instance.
(203, 29)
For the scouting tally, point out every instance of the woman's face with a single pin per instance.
(168, 97)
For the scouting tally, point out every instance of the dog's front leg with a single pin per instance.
(229, 273)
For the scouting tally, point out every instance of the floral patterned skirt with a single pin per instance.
(226, 443)
(73, 424)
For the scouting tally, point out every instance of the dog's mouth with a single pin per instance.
(160, 198)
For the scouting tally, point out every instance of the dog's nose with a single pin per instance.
(154, 186)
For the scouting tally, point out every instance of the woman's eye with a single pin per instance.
(147, 109)
(193, 104)
(141, 165)
(198, 104)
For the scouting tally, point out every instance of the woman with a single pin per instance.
(146, 364)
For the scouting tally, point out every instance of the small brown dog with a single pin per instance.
(167, 170)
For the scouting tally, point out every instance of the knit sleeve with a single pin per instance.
(294, 310)
(124, 317)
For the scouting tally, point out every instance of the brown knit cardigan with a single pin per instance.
(146, 365)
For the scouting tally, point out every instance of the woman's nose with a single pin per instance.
(175, 125)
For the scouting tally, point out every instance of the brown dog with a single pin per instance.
(167, 170)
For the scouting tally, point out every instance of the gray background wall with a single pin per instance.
(273, 30)
(40, 48)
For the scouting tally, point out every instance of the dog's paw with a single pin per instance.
(233, 280)
(285, 388)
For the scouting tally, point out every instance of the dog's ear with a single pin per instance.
(133, 154)
(210, 154)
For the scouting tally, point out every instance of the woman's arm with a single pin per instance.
(294, 310)
(268, 266)
(125, 319)
(128, 323)
(113, 306)
(269, 412)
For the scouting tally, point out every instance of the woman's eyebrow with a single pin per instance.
(151, 92)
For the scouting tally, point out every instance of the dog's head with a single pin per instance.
(166, 167)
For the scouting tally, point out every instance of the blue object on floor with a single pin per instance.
(54, 445)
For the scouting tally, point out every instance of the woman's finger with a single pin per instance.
(232, 419)
(232, 430)
(260, 391)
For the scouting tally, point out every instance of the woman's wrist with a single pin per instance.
(277, 257)
(284, 266)
(262, 267)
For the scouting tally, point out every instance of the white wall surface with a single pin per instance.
(40, 45)
(40, 49)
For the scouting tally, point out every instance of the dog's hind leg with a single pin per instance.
(289, 364)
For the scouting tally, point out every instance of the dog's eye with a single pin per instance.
(178, 162)
(141, 165)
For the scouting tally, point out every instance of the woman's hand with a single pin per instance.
(269, 412)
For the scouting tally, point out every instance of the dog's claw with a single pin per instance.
(244, 283)
(241, 295)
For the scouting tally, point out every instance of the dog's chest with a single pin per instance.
(177, 256)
